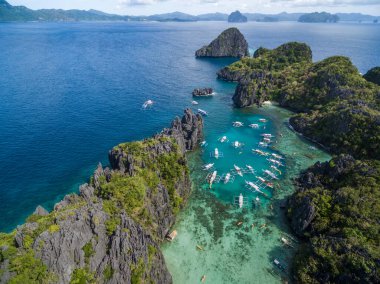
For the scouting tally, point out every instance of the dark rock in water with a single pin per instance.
(230, 43)
(237, 17)
(373, 75)
(94, 233)
(205, 92)
(40, 211)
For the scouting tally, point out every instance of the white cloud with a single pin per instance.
(139, 2)
(326, 3)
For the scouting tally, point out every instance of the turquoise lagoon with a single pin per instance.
(236, 253)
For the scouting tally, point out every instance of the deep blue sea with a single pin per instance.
(71, 91)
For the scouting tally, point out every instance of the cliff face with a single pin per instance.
(110, 232)
(335, 208)
(230, 43)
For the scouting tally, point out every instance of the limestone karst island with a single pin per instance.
(162, 142)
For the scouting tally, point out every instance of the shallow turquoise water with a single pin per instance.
(236, 253)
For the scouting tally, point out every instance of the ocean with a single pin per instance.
(71, 91)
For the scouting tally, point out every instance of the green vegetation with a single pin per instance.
(82, 276)
(316, 17)
(151, 169)
(344, 235)
(137, 272)
(373, 75)
(107, 273)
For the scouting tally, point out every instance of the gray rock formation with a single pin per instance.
(40, 211)
(205, 92)
(230, 43)
(237, 17)
(76, 234)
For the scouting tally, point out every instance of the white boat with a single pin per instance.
(203, 144)
(237, 144)
(262, 120)
(147, 104)
(216, 153)
(223, 139)
(261, 179)
(267, 140)
(212, 178)
(275, 162)
(194, 103)
(254, 126)
(277, 156)
(262, 144)
(267, 135)
(237, 124)
(208, 166)
(250, 168)
(241, 201)
(227, 178)
(238, 170)
(276, 169)
(202, 112)
(262, 153)
(269, 173)
(255, 187)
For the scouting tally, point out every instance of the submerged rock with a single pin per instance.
(230, 43)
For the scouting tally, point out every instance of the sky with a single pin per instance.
(195, 7)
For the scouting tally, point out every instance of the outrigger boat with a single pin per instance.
(212, 178)
(255, 187)
(262, 120)
(277, 156)
(238, 170)
(250, 168)
(261, 179)
(262, 144)
(286, 242)
(272, 175)
(227, 178)
(267, 140)
(237, 144)
(275, 162)
(240, 201)
(223, 139)
(194, 103)
(237, 124)
(276, 169)
(254, 126)
(203, 144)
(267, 135)
(216, 153)
(147, 104)
(262, 153)
(208, 166)
(202, 112)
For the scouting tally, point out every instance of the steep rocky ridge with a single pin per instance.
(230, 43)
(110, 232)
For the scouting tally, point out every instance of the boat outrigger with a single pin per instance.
(269, 173)
(262, 153)
(286, 242)
(194, 103)
(147, 104)
(240, 201)
(208, 166)
(279, 265)
(254, 187)
(254, 126)
(216, 153)
(275, 162)
(276, 169)
(250, 168)
(277, 156)
(227, 178)
(202, 112)
(262, 144)
(267, 135)
(237, 144)
(223, 139)
(238, 170)
(212, 177)
(237, 124)
(262, 120)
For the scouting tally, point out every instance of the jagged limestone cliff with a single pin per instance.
(230, 43)
(110, 232)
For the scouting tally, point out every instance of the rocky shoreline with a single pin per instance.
(110, 232)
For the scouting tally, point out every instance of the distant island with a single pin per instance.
(316, 17)
(21, 13)
(237, 17)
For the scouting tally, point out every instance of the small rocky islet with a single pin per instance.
(205, 92)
